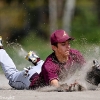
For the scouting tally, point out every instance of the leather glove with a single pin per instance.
(93, 75)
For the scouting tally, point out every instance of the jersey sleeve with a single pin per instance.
(49, 72)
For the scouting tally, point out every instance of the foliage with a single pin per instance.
(85, 24)
(19, 17)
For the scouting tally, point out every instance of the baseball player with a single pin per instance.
(19, 79)
(28, 78)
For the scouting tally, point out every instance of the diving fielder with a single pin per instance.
(22, 79)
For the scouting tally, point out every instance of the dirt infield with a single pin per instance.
(7, 93)
(32, 95)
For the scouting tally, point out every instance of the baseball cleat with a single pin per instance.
(26, 70)
(1, 45)
(32, 57)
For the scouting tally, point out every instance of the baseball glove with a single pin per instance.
(93, 76)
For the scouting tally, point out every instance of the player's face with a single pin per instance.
(63, 48)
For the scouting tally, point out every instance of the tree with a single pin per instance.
(53, 15)
(68, 14)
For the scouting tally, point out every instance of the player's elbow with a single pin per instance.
(54, 83)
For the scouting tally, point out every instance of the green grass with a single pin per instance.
(37, 44)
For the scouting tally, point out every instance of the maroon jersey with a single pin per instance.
(53, 69)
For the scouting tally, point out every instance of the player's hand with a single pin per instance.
(75, 87)
(93, 75)
(70, 88)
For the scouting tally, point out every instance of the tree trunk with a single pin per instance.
(53, 15)
(68, 14)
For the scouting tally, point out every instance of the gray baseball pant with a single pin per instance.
(16, 78)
